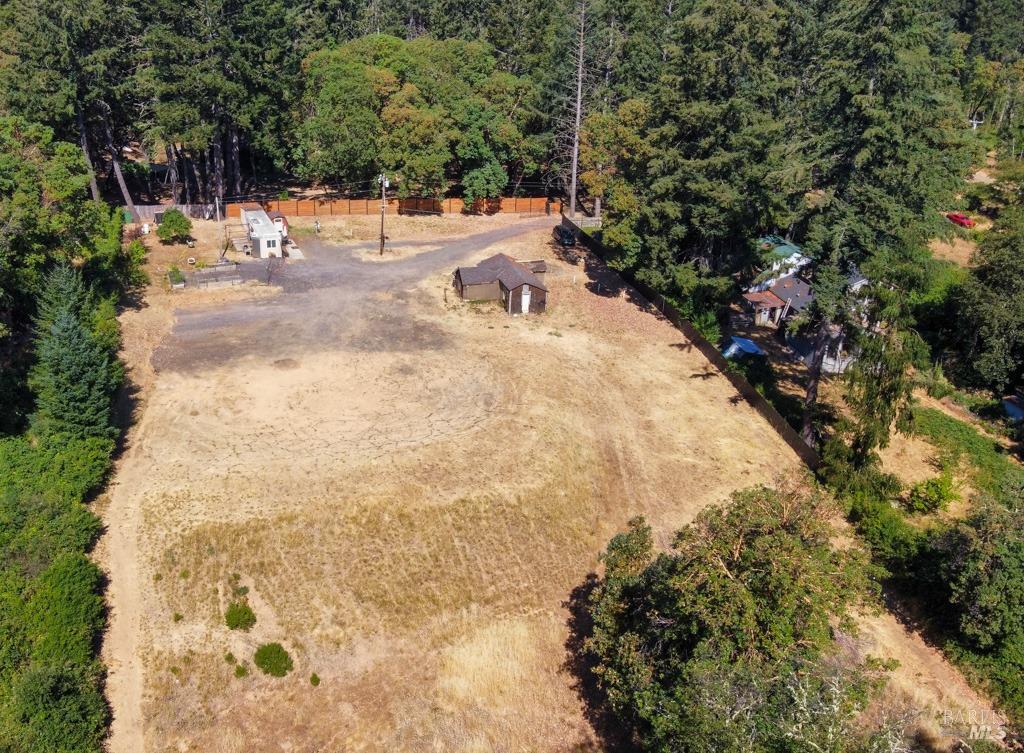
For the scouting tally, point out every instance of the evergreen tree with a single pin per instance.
(73, 380)
(891, 156)
(70, 66)
(992, 308)
(64, 292)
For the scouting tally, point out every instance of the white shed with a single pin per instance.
(264, 235)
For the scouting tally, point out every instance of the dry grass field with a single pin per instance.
(409, 488)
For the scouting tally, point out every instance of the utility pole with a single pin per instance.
(383, 208)
(579, 108)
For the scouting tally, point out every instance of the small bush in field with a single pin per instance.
(229, 657)
(239, 616)
(314, 679)
(273, 659)
(241, 670)
(932, 494)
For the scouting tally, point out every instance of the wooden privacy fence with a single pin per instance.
(713, 354)
(342, 207)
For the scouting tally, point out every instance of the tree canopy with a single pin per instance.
(430, 113)
(698, 648)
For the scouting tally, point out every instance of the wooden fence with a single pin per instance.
(713, 354)
(342, 207)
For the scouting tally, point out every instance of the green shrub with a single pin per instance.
(935, 382)
(35, 529)
(961, 440)
(241, 670)
(64, 611)
(57, 709)
(314, 679)
(131, 270)
(229, 658)
(175, 226)
(273, 659)
(175, 276)
(984, 568)
(239, 616)
(894, 542)
(932, 494)
(1000, 671)
(178, 617)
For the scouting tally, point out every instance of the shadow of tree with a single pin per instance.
(612, 734)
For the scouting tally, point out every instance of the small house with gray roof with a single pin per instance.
(518, 285)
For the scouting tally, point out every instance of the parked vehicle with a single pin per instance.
(564, 236)
(961, 219)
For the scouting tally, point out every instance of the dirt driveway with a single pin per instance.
(406, 490)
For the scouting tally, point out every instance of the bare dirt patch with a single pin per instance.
(398, 228)
(909, 458)
(958, 250)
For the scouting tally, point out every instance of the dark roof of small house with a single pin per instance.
(794, 290)
(765, 299)
(504, 269)
(476, 275)
(856, 278)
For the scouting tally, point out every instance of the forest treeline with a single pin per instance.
(846, 126)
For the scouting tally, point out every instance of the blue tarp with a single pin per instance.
(1014, 408)
(742, 346)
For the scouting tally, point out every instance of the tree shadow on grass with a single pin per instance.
(612, 735)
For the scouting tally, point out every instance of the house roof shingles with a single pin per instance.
(504, 269)
(795, 291)
(765, 300)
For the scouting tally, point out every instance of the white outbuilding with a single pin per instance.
(264, 235)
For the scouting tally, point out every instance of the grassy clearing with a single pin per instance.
(482, 550)
(957, 441)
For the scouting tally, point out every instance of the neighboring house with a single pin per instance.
(837, 357)
(518, 285)
(773, 305)
(782, 259)
(790, 295)
(264, 236)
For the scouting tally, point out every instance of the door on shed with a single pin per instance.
(525, 308)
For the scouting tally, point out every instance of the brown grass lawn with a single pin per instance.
(410, 503)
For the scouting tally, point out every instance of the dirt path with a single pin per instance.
(924, 677)
(124, 677)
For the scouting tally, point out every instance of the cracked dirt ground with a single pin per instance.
(410, 489)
